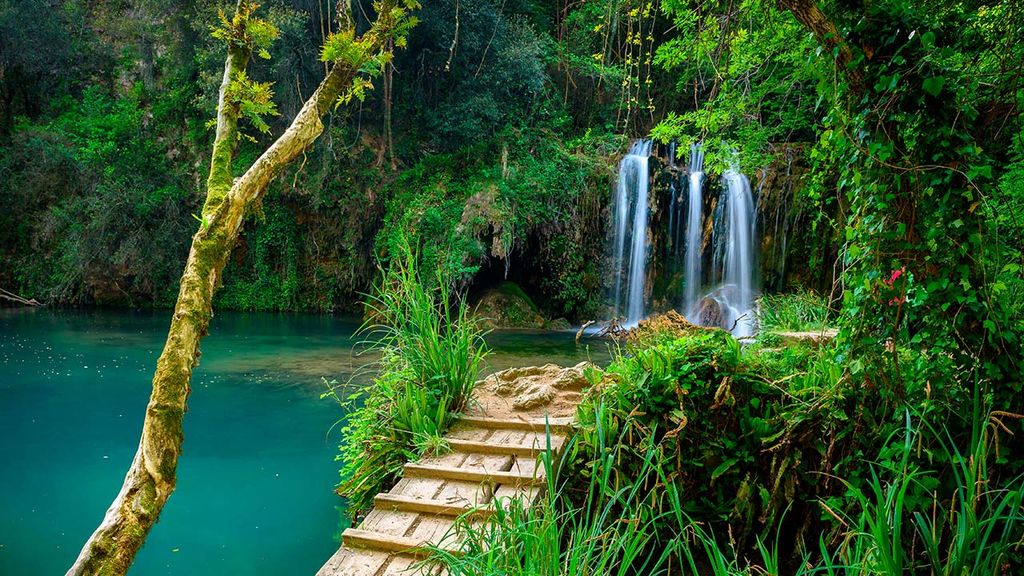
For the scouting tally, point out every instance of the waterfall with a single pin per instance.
(630, 229)
(734, 253)
(694, 228)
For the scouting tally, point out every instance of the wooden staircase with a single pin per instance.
(491, 459)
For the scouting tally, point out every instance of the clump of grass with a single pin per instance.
(612, 532)
(793, 312)
(431, 355)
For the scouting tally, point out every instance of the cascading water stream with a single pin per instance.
(694, 229)
(734, 253)
(730, 305)
(630, 229)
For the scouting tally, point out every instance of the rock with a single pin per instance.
(533, 386)
(507, 306)
(709, 312)
(814, 338)
(572, 378)
(559, 324)
(533, 394)
(670, 323)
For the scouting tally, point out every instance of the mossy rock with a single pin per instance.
(507, 306)
(559, 324)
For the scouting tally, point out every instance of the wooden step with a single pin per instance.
(472, 475)
(356, 538)
(555, 425)
(484, 447)
(386, 501)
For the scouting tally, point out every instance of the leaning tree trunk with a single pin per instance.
(152, 475)
(810, 15)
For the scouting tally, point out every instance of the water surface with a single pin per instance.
(255, 481)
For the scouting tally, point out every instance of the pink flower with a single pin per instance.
(894, 276)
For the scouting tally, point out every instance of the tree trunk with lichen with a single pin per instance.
(152, 476)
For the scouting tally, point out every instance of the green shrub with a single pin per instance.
(694, 456)
(432, 352)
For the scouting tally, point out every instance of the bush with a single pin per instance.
(432, 352)
(695, 456)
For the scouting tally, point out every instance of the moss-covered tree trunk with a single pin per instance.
(810, 15)
(152, 476)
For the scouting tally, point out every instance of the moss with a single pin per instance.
(514, 290)
(507, 306)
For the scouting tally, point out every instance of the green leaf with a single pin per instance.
(934, 85)
(856, 367)
(723, 468)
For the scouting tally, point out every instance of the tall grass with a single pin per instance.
(976, 530)
(431, 355)
(792, 312)
(612, 532)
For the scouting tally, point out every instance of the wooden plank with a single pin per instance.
(469, 493)
(408, 566)
(504, 449)
(356, 538)
(513, 437)
(556, 425)
(464, 432)
(440, 508)
(527, 496)
(482, 462)
(525, 466)
(468, 475)
(378, 541)
(540, 440)
(424, 488)
(438, 531)
(388, 522)
(349, 562)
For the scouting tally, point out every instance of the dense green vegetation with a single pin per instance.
(485, 153)
(112, 150)
(697, 456)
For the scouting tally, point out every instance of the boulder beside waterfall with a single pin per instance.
(507, 306)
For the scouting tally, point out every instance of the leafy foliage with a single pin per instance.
(432, 353)
(251, 100)
(780, 446)
(246, 31)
